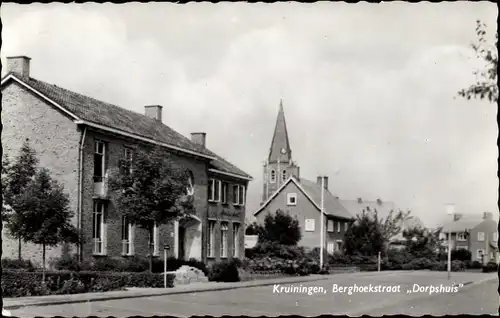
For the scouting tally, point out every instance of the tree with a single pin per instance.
(44, 211)
(280, 228)
(486, 85)
(15, 178)
(253, 229)
(370, 234)
(420, 242)
(152, 191)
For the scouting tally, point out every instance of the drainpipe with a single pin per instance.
(80, 190)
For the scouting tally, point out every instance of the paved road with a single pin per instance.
(271, 301)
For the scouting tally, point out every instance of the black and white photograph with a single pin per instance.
(255, 159)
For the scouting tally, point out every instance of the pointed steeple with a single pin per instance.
(280, 145)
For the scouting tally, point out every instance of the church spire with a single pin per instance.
(280, 146)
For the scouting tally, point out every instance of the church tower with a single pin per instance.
(279, 165)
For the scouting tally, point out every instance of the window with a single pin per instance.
(330, 247)
(346, 226)
(338, 226)
(223, 239)
(129, 154)
(479, 253)
(338, 245)
(462, 247)
(98, 228)
(310, 225)
(190, 187)
(480, 236)
(224, 193)
(242, 195)
(99, 161)
(238, 194)
(210, 240)
(127, 237)
(273, 176)
(461, 236)
(214, 190)
(291, 199)
(153, 240)
(495, 237)
(283, 175)
(330, 226)
(236, 239)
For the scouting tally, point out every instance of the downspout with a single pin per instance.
(80, 190)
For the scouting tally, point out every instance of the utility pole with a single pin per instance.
(322, 225)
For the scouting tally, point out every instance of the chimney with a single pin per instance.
(19, 65)
(488, 216)
(326, 182)
(153, 111)
(199, 138)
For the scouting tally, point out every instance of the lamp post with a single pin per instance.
(165, 249)
(322, 225)
(450, 210)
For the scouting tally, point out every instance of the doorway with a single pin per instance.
(182, 236)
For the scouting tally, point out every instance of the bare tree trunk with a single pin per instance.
(43, 262)
(19, 248)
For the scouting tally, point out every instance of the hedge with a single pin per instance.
(125, 264)
(17, 283)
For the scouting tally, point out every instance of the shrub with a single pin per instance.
(274, 249)
(70, 263)
(20, 284)
(457, 266)
(490, 267)
(225, 271)
(476, 265)
(421, 263)
(399, 257)
(17, 264)
(461, 255)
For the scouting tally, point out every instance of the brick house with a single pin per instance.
(284, 189)
(476, 234)
(79, 139)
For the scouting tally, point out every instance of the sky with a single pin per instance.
(369, 90)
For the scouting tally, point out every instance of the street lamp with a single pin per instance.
(450, 210)
(165, 249)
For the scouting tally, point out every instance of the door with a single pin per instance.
(182, 235)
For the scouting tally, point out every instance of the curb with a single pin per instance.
(167, 292)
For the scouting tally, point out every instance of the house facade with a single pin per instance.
(80, 139)
(284, 189)
(478, 235)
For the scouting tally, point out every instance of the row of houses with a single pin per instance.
(79, 139)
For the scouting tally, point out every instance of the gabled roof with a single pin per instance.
(356, 207)
(280, 140)
(312, 191)
(89, 111)
(466, 222)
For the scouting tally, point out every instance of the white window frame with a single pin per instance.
(223, 192)
(283, 175)
(310, 225)
(127, 244)
(155, 243)
(480, 236)
(463, 247)
(224, 229)
(190, 187)
(495, 237)
(330, 226)
(478, 253)
(241, 195)
(461, 237)
(213, 184)
(99, 239)
(211, 239)
(236, 239)
(289, 197)
(272, 177)
(330, 247)
(346, 226)
(338, 226)
(236, 194)
(103, 159)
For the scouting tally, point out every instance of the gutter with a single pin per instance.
(80, 190)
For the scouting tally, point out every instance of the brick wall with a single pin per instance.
(115, 146)
(55, 139)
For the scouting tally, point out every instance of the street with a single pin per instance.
(283, 300)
